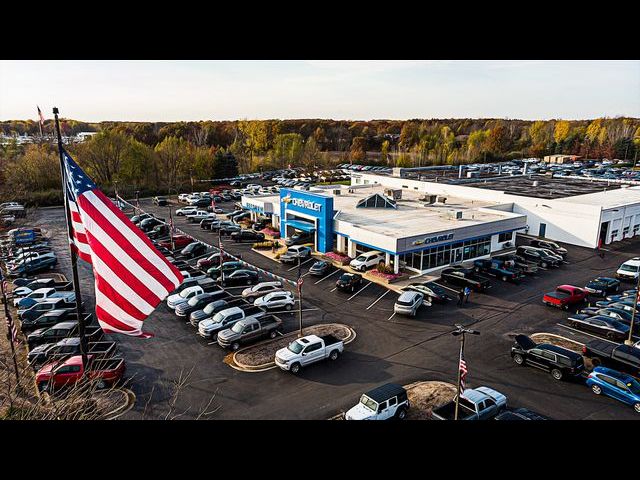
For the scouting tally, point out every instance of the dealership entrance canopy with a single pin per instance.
(420, 232)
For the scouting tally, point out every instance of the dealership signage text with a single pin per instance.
(307, 204)
(437, 238)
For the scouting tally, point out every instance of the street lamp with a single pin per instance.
(461, 331)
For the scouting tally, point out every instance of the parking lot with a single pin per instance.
(388, 347)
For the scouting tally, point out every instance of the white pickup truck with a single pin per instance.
(227, 318)
(184, 295)
(307, 350)
(42, 294)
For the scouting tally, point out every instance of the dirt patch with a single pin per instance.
(263, 353)
(425, 396)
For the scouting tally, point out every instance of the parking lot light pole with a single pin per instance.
(629, 341)
(461, 331)
(299, 285)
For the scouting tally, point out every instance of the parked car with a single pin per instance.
(601, 325)
(159, 231)
(227, 268)
(565, 296)
(136, 219)
(518, 263)
(41, 294)
(150, 223)
(465, 277)
(367, 260)
(559, 361)
(68, 347)
(320, 268)
(349, 282)
(603, 286)
(295, 254)
(240, 277)
(615, 313)
(520, 414)
(50, 318)
(276, 301)
(482, 403)
(615, 384)
(199, 215)
(625, 358)
(186, 210)
(46, 261)
(226, 318)
(629, 270)
(307, 350)
(180, 241)
(198, 301)
(261, 289)
(207, 222)
(496, 269)
(227, 229)
(40, 308)
(247, 236)
(433, 293)
(546, 244)
(408, 303)
(58, 374)
(62, 330)
(299, 238)
(161, 201)
(249, 330)
(194, 249)
(184, 295)
(382, 403)
(536, 256)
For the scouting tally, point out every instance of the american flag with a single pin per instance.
(463, 372)
(41, 121)
(131, 276)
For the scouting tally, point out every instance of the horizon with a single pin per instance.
(341, 90)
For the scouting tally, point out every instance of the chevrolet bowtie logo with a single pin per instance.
(286, 199)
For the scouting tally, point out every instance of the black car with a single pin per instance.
(160, 201)
(615, 313)
(240, 277)
(559, 361)
(465, 277)
(554, 247)
(349, 282)
(603, 286)
(193, 250)
(247, 236)
(136, 219)
(433, 293)
(320, 268)
(531, 254)
(208, 311)
(602, 325)
(202, 202)
(159, 231)
(229, 229)
(520, 414)
(198, 302)
(518, 263)
(207, 223)
(148, 224)
(227, 268)
(48, 319)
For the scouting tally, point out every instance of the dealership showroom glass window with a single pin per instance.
(442, 255)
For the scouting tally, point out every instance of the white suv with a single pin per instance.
(367, 260)
(629, 269)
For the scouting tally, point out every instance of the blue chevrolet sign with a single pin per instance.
(317, 206)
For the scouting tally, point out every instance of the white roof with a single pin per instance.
(607, 199)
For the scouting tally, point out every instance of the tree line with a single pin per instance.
(161, 156)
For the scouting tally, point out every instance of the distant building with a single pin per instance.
(560, 158)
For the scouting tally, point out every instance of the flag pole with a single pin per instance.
(459, 377)
(10, 327)
(299, 284)
(74, 255)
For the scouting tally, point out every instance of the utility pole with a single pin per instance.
(461, 331)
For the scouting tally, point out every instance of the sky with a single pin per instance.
(338, 89)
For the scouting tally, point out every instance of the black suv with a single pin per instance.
(240, 277)
(537, 256)
(349, 281)
(560, 362)
(160, 201)
(193, 250)
(603, 286)
(247, 235)
(149, 224)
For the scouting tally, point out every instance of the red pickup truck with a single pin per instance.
(55, 375)
(565, 296)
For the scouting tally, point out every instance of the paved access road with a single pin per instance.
(388, 348)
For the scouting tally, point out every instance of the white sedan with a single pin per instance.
(186, 210)
(276, 300)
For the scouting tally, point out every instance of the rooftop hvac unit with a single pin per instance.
(459, 215)
(336, 191)
(395, 193)
(442, 200)
(430, 199)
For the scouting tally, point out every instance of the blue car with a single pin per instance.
(615, 384)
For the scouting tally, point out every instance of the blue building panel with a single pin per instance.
(315, 205)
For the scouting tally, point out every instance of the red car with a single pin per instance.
(565, 296)
(180, 241)
(56, 375)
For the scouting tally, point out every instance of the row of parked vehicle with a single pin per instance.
(26, 251)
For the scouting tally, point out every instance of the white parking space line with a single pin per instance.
(332, 273)
(378, 299)
(280, 312)
(359, 291)
(333, 289)
(394, 314)
(296, 266)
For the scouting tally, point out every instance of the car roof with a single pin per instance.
(408, 295)
(561, 350)
(614, 373)
(384, 392)
(69, 324)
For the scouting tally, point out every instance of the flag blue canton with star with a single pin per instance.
(77, 181)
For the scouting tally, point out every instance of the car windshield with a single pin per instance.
(210, 308)
(634, 386)
(628, 268)
(346, 277)
(193, 301)
(370, 404)
(319, 264)
(295, 347)
(217, 318)
(237, 328)
(185, 293)
(553, 245)
(361, 258)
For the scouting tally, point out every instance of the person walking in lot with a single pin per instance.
(467, 292)
(461, 297)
